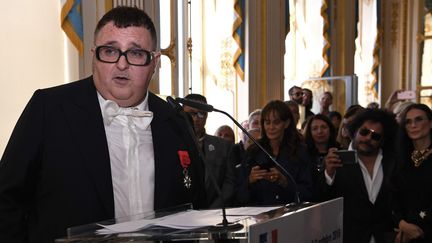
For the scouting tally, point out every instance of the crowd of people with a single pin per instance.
(105, 147)
(387, 191)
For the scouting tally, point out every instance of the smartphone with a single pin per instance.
(265, 165)
(406, 95)
(347, 156)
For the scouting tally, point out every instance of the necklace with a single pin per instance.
(418, 156)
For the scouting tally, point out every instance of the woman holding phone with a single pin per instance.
(413, 196)
(260, 181)
(319, 135)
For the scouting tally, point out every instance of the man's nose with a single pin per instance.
(122, 63)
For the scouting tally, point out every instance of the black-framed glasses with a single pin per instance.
(136, 57)
(374, 135)
(198, 114)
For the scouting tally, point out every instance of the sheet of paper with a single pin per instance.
(249, 211)
(124, 227)
(196, 219)
(191, 219)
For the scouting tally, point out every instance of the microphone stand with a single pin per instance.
(225, 226)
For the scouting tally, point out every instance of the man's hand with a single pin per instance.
(332, 162)
(408, 232)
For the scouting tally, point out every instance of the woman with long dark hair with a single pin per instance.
(319, 136)
(413, 197)
(261, 182)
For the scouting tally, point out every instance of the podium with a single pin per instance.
(319, 222)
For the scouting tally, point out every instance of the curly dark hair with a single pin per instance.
(124, 17)
(385, 118)
(405, 145)
(291, 138)
(308, 133)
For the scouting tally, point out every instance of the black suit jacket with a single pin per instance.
(219, 170)
(362, 219)
(55, 172)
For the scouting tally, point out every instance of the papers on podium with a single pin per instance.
(191, 219)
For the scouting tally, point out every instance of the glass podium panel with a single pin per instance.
(88, 233)
(252, 220)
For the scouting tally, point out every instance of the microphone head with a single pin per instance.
(196, 104)
(174, 104)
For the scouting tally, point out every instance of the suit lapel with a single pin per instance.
(84, 117)
(362, 186)
(167, 167)
(388, 167)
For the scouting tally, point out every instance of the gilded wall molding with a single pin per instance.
(327, 44)
(404, 42)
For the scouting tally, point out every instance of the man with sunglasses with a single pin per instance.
(365, 185)
(296, 94)
(217, 155)
(99, 148)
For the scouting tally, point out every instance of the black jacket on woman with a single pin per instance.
(413, 197)
(264, 192)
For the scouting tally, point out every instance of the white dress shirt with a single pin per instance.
(131, 153)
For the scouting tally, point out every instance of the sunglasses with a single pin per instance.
(374, 135)
(199, 114)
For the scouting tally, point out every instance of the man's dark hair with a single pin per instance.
(335, 114)
(196, 97)
(124, 17)
(291, 90)
(307, 90)
(385, 118)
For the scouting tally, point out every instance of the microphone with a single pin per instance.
(174, 104)
(196, 104)
(210, 108)
(225, 225)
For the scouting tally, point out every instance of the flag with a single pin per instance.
(238, 35)
(71, 22)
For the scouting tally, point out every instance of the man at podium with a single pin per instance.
(101, 147)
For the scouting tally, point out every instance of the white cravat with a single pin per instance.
(110, 109)
(130, 145)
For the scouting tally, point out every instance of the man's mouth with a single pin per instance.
(367, 144)
(122, 77)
